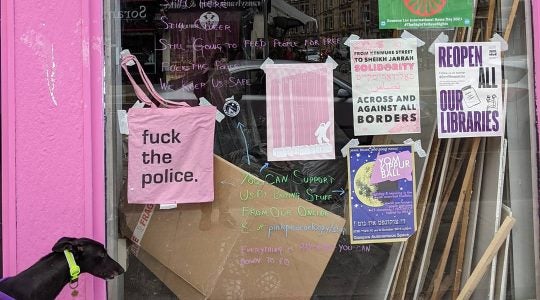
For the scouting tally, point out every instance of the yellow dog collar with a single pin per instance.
(74, 269)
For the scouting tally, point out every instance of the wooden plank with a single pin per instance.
(461, 244)
(420, 163)
(490, 18)
(446, 283)
(487, 257)
(427, 167)
(456, 164)
(455, 35)
(459, 34)
(498, 208)
(513, 12)
(473, 214)
(478, 33)
(411, 245)
(453, 226)
(449, 188)
(455, 158)
(380, 276)
(395, 272)
(430, 241)
(380, 140)
(470, 32)
(450, 184)
(433, 198)
(462, 36)
(489, 208)
(446, 197)
(502, 266)
(500, 190)
(454, 168)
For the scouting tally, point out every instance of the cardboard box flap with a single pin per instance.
(174, 239)
(176, 284)
(254, 238)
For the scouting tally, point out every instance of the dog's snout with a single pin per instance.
(113, 274)
(120, 271)
(116, 270)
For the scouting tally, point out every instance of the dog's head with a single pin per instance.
(91, 256)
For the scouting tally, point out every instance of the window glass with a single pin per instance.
(215, 50)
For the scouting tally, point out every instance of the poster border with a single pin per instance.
(349, 193)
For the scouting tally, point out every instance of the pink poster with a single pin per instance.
(385, 86)
(300, 111)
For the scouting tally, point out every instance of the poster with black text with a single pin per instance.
(386, 97)
(469, 94)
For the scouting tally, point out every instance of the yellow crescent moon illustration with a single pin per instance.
(363, 188)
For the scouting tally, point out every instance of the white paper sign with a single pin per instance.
(469, 94)
(122, 121)
(386, 97)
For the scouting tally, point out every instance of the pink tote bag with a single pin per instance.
(170, 156)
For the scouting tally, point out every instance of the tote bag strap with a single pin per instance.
(148, 84)
(138, 91)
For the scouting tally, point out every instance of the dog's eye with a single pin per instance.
(102, 254)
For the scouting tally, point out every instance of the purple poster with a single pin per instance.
(381, 197)
(469, 95)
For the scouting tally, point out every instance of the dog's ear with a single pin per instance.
(63, 244)
(78, 245)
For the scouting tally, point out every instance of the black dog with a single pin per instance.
(45, 279)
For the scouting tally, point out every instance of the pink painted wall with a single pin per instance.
(52, 130)
(535, 12)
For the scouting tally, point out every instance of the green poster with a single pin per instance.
(408, 14)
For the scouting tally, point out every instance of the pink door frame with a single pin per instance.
(52, 130)
(535, 13)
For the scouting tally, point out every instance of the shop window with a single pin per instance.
(282, 228)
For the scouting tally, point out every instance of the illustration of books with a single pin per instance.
(470, 97)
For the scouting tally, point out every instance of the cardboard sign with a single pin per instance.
(254, 241)
(382, 189)
(405, 14)
(386, 97)
(300, 110)
(469, 94)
